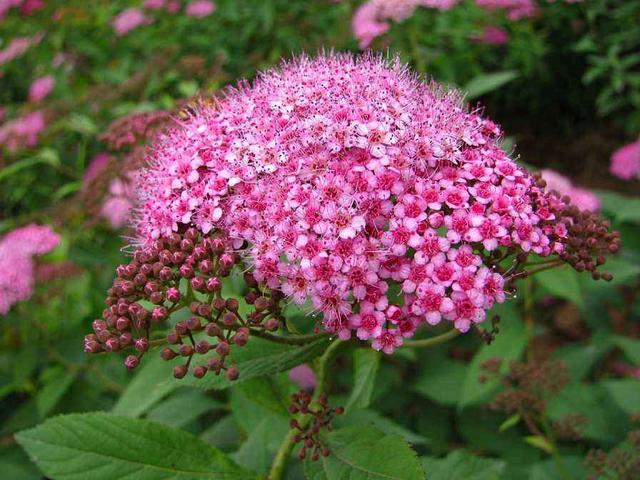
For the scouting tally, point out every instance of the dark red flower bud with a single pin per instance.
(159, 314)
(122, 323)
(182, 328)
(204, 310)
(214, 364)
(186, 350)
(131, 362)
(233, 373)
(213, 285)
(232, 304)
(202, 346)
(213, 330)
(179, 371)
(199, 371)
(219, 304)
(112, 344)
(261, 303)
(168, 354)
(141, 344)
(229, 319)
(173, 294)
(222, 349)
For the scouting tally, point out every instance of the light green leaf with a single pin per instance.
(441, 380)
(365, 453)
(540, 442)
(488, 82)
(461, 465)
(365, 364)
(630, 347)
(147, 388)
(258, 358)
(626, 393)
(57, 381)
(508, 345)
(562, 283)
(100, 446)
(372, 418)
(509, 422)
(182, 407)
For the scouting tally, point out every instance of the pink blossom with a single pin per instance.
(304, 376)
(200, 8)
(580, 197)
(371, 19)
(492, 35)
(18, 47)
(17, 249)
(23, 131)
(339, 178)
(625, 162)
(41, 88)
(128, 20)
(154, 4)
(96, 166)
(118, 204)
(514, 9)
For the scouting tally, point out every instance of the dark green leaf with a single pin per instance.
(366, 453)
(258, 358)
(461, 465)
(365, 363)
(103, 446)
(488, 82)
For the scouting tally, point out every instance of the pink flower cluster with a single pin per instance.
(18, 47)
(580, 197)
(128, 20)
(41, 88)
(625, 162)
(514, 9)
(27, 7)
(17, 250)
(372, 18)
(132, 18)
(349, 184)
(23, 131)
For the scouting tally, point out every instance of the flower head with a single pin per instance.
(625, 162)
(17, 249)
(200, 8)
(128, 20)
(41, 88)
(339, 178)
(580, 197)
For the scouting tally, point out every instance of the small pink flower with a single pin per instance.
(304, 376)
(200, 8)
(625, 162)
(492, 35)
(580, 197)
(41, 88)
(22, 132)
(128, 20)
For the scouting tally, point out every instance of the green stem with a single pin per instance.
(430, 342)
(280, 460)
(528, 315)
(562, 468)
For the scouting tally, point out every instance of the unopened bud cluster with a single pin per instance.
(321, 418)
(148, 290)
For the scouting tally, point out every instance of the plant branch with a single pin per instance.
(290, 339)
(280, 460)
(430, 342)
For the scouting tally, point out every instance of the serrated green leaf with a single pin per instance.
(258, 358)
(461, 465)
(509, 422)
(365, 365)
(147, 388)
(540, 442)
(508, 345)
(100, 446)
(625, 392)
(366, 453)
(441, 379)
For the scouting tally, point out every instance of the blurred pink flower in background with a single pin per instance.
(580, 197)
(22, 131)
(304, 376)
(97, 165)
(30, 6)
(41, 88)
(128, 20)
(119, 201)
(18, 47)
(625, 162)
(371, 18)
(17, 250)
(514, 9)
(154, 4)
(200, 8)
(493, 35)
